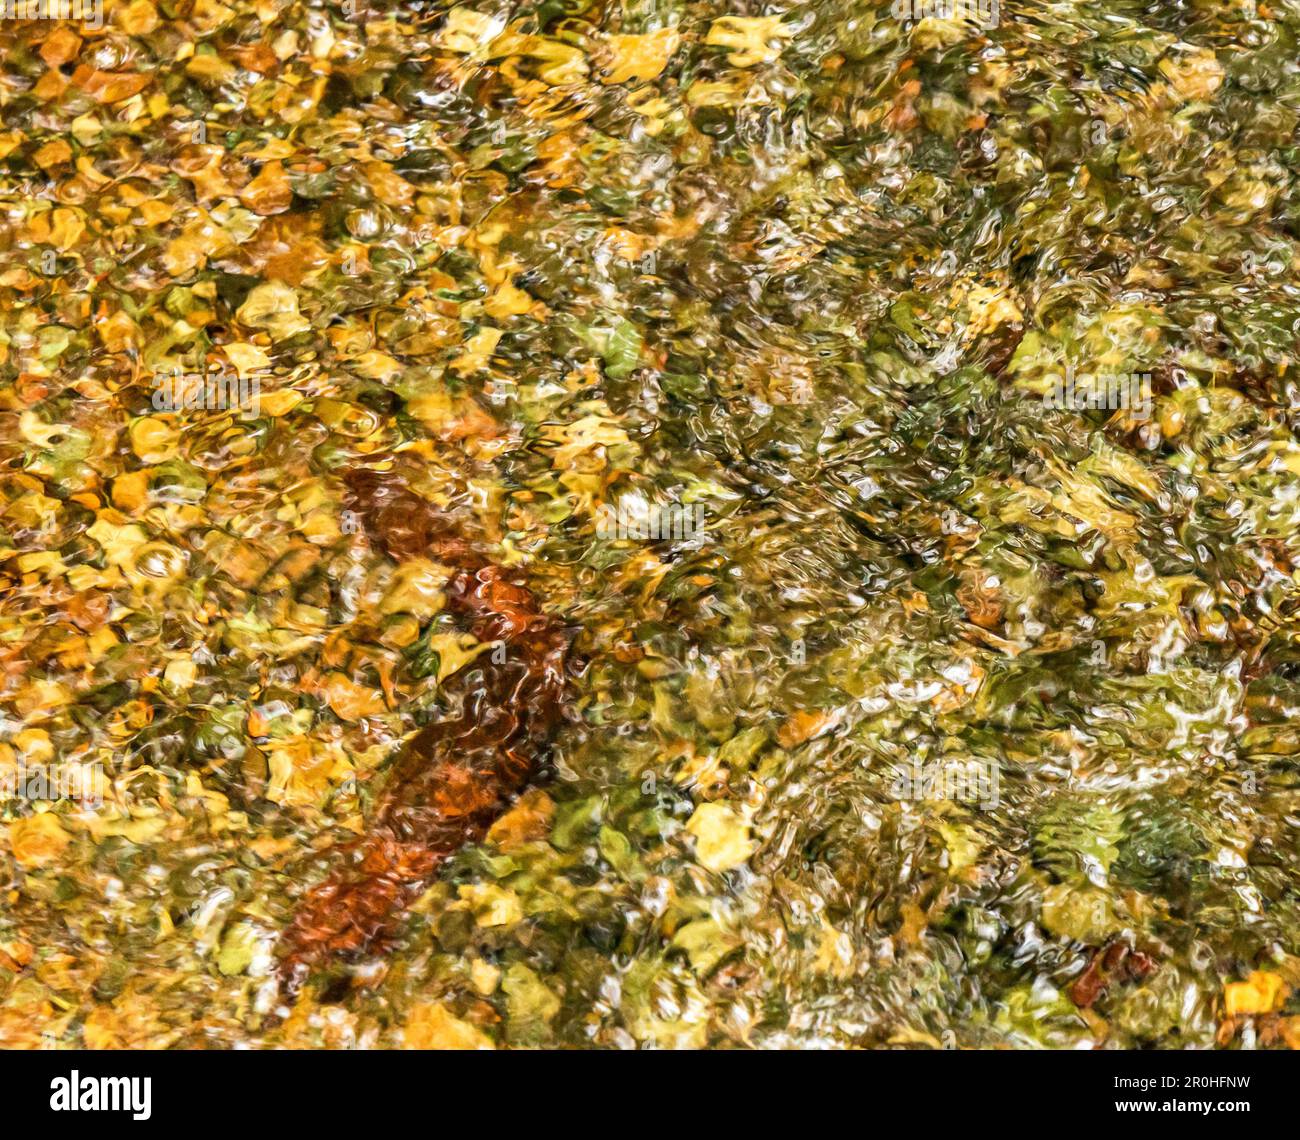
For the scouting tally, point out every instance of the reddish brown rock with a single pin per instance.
(458, 774)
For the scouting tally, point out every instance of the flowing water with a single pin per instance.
(891, 404)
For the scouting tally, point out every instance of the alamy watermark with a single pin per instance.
(1108, 391)
(983, 13)
(83, 783)
(961, 781)
(88, 12)
(634, 518)
(222, 390)
(75, 1093)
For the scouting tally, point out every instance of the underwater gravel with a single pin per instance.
(895, 402)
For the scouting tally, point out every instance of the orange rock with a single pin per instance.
(804, 725)
(138, 18)
(109, 86)
(389, 187)
(54, 153)
(1290, 1030)
(38, 840)
(529, 819)
(61, 46)
(269, 192)
(1262, 992)
(15, 955)
(432, 1026)
(350, 701)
